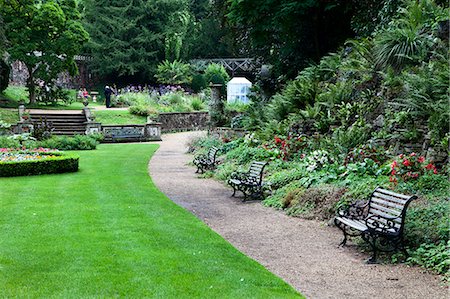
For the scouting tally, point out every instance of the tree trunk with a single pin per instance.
(30, 85)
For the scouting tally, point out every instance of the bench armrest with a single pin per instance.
(357, 210)
(387, 226)
(201, 157)
(239, 175)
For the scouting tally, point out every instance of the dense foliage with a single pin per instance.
(375, 113)
(77, 142)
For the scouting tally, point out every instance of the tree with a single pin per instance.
(212, 36)
(289, 34)
(4, 68)
(45, 36)
(128, 40)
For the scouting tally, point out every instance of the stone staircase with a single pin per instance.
(64, 122)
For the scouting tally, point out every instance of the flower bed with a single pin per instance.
(21, 161)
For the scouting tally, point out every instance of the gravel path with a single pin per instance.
(302, 252)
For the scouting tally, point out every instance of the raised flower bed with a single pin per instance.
(21, 161)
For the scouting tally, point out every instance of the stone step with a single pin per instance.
(66, 123)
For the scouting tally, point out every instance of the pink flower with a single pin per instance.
(401, 156)
(430, 166)
(421, 159)
(412, 155)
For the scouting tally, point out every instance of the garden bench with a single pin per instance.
(207, 161)
(379, 221)
(127, 136)
(250, 183)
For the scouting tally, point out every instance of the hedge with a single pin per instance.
(63, 162)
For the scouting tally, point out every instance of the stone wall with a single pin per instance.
(183, 121)
(84, 78)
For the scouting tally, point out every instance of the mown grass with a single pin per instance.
(9, 116)
(15, 94)
(118, 117)
(106, 231)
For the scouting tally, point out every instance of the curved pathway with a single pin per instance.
(302, 252)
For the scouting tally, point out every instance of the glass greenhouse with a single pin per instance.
(237, 90)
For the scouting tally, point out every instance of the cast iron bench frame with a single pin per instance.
(206, 161)
(380, 221)
(249, 183)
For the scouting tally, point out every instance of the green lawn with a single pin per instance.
(118, 117)
(106, 231)
(10, 116)
(14, 94)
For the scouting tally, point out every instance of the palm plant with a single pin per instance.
(175, 72)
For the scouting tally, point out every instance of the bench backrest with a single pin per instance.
(212, 153)
(385, 204)
(256, 171)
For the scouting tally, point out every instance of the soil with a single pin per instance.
(304, 253)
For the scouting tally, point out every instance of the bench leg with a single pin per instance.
(342, 228)
(344, 242)
(234, 192)
(372, 240)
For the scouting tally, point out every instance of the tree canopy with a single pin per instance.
(45, 36)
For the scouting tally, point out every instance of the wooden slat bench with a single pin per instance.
(250, 183)
(379, 221)
(208, 161)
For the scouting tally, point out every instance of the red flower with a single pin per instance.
(393, 172)
(393, 179)
(415, 175)
(406, 162)
(430, 166)
(435, 170)
(394, 164)
(421, 159)
(401, 156)
(277, 140)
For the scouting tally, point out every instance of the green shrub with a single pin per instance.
(59, 164)
(433, 256)
(427, 222)
(197, 104)
(216, 74)
(8, 142)
(198, 83)
(140, 110)
(77, 142)
(175, 72)
(282, 178)
(244, 154)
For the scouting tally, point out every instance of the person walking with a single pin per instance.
(108, 92)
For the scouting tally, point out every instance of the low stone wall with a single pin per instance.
(183, 121)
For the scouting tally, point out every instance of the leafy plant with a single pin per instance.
(216, 74)
(175, 72)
